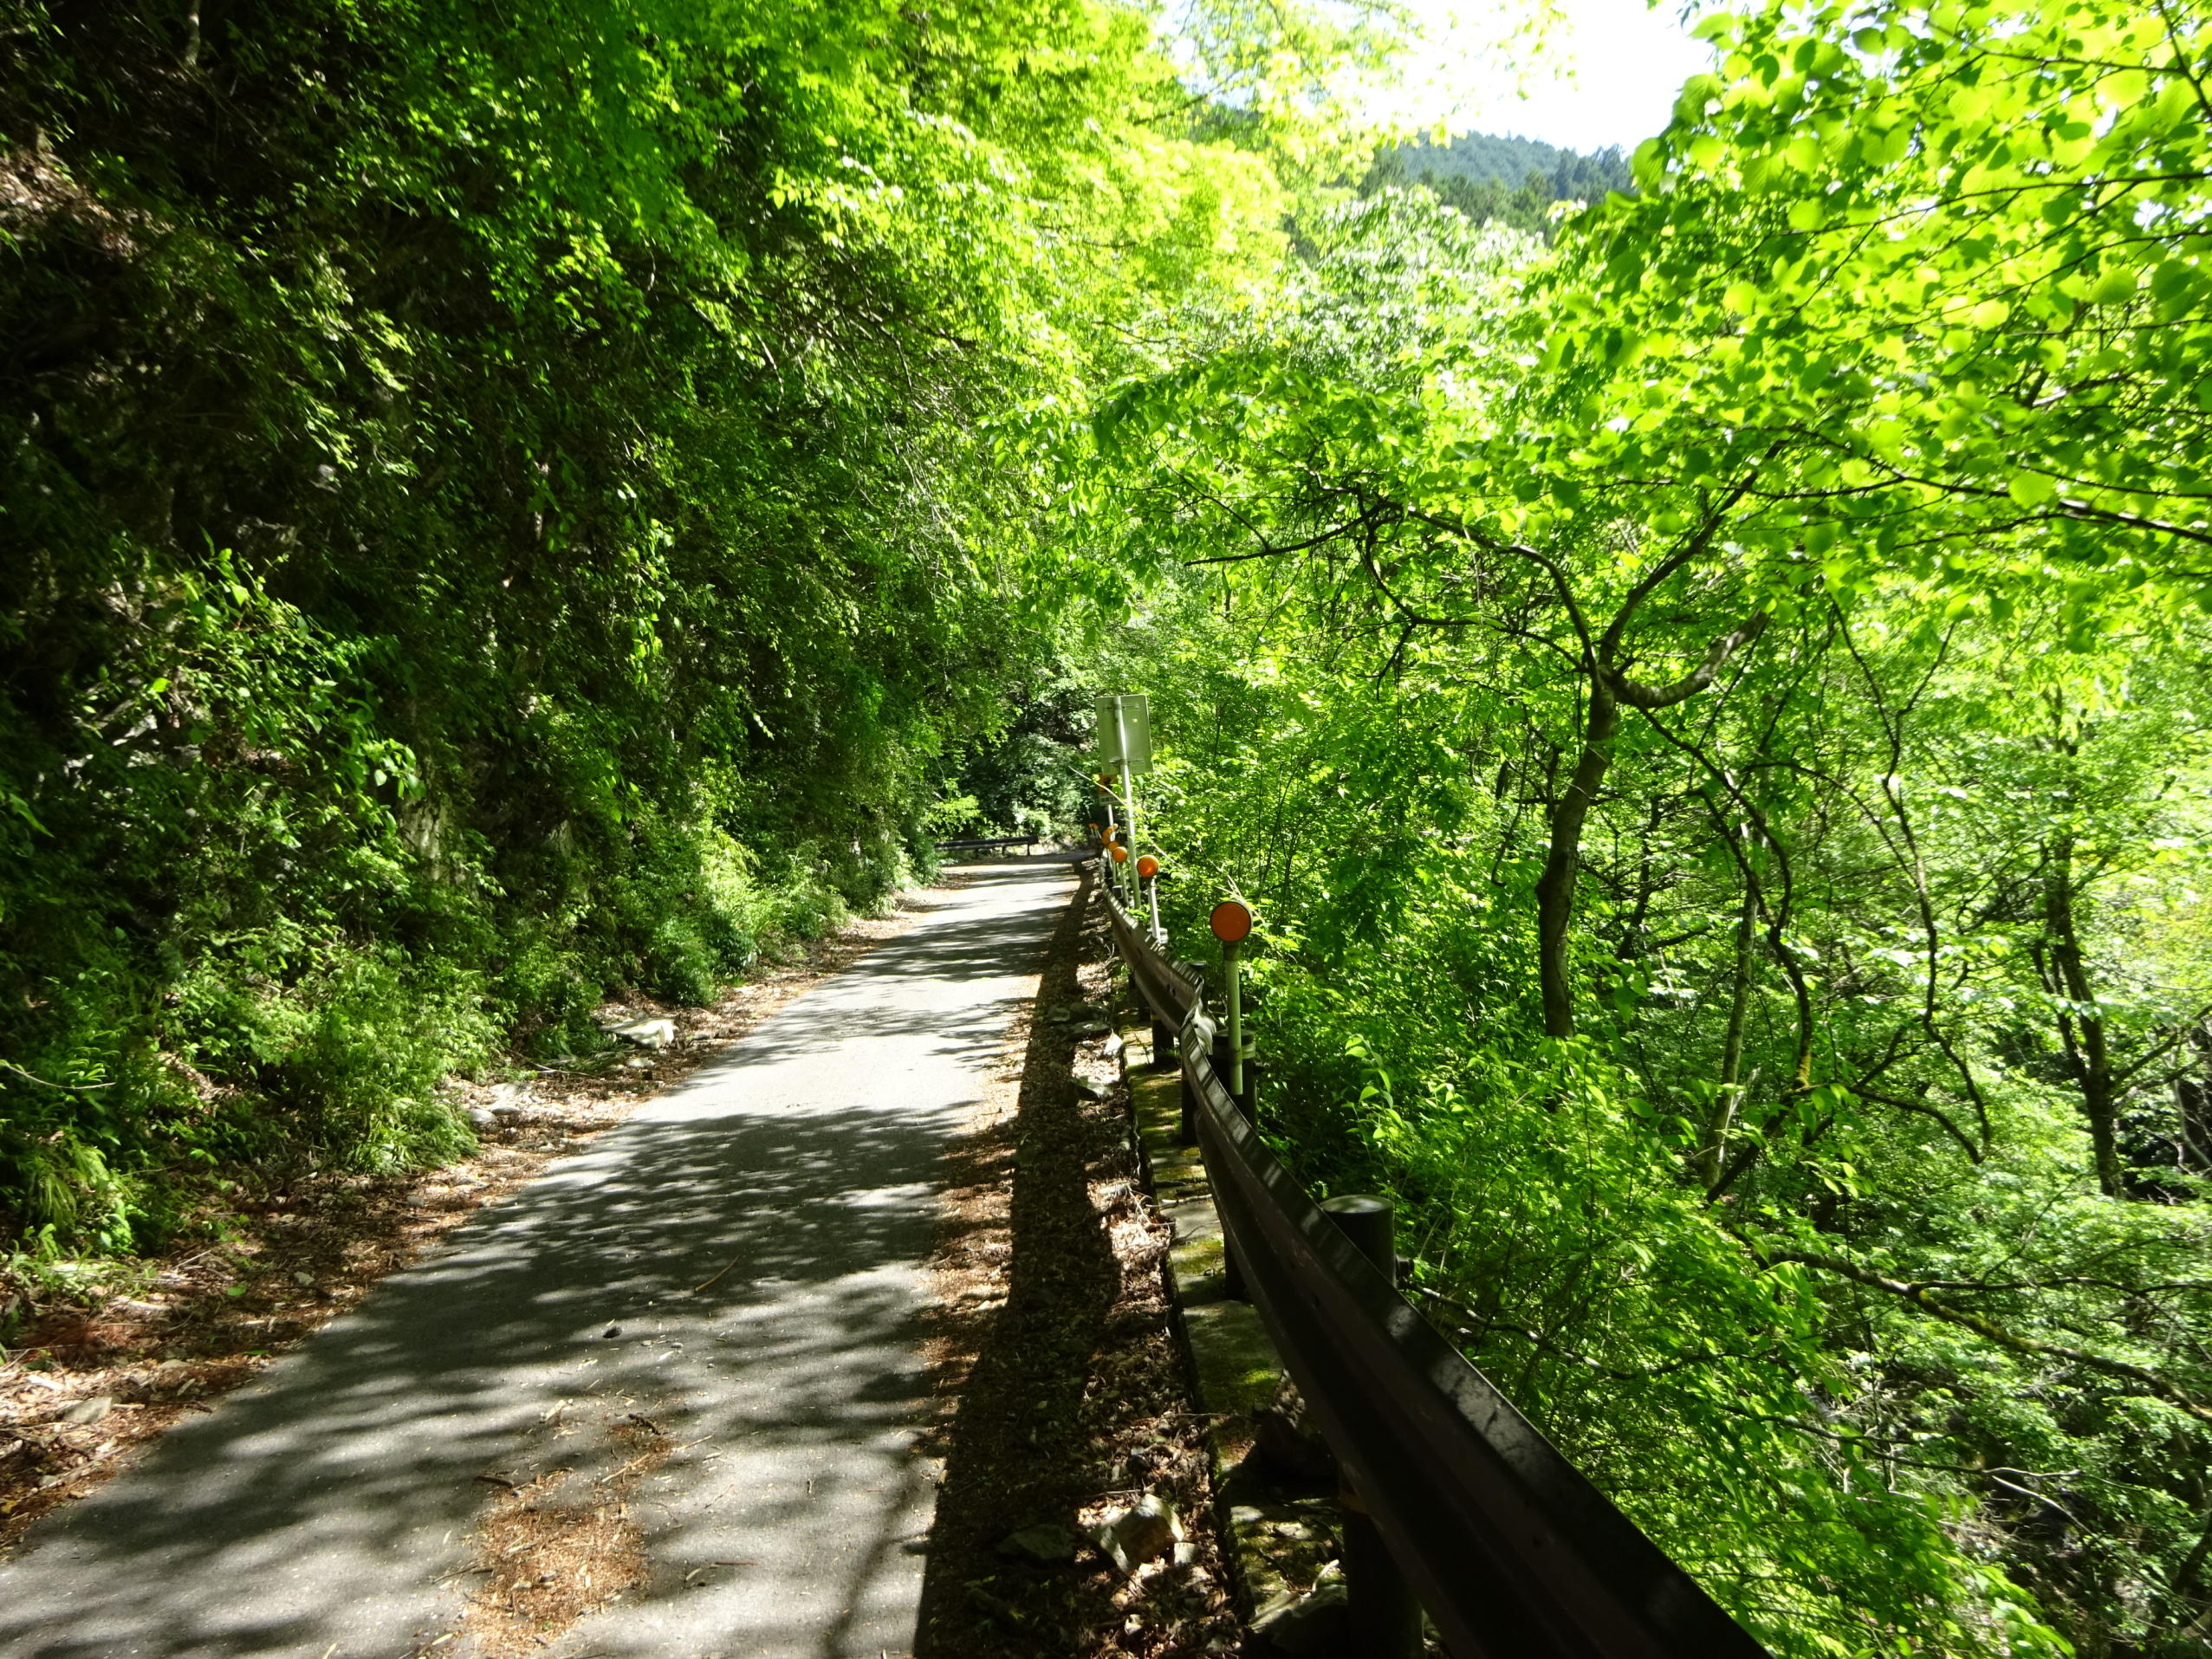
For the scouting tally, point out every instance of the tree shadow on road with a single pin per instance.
(723, 1233)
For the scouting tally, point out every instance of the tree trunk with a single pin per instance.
(1609, 688)
(2081, 1025)
(1555, 887)
(1725, 1101)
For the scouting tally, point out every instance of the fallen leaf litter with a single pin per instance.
(1067, 1429)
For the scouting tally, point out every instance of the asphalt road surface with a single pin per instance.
(329, 1510)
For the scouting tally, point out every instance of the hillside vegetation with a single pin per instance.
(1509, 181)
(1711, 718)
(501, 505)
(1708, 703)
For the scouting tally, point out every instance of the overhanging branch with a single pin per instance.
(2172, 1393)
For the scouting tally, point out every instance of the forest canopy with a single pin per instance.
(1708, 703)
(1709, 715)
(505, 505)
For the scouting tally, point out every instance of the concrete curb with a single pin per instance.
(1283, 1529)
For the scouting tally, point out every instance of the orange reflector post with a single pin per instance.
(1148, 867)
(1231, 922)
(1120, 854)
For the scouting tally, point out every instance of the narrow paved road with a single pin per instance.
(330, 1509)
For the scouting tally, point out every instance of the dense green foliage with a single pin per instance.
(1707, 695)
(500, 505)
(1711, 717)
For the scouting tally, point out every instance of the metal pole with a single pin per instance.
(1128, 779)
(1386, 1617)
(1105, 842)
(1219, 1057)
(1129, 799)
(1232, 1270)
(1164, 1037)
(1234, 994)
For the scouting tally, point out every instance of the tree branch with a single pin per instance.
(2172, 1393)
(1716, 657)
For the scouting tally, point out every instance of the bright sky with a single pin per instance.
(1609, 77)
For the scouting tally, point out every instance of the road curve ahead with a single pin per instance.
(755, 1437)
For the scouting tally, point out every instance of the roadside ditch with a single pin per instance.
(1075, 1515)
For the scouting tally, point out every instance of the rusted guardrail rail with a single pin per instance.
(1512, 1553)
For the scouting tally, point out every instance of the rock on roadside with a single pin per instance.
(1146, 1530)
(1048, 1544)
(646, 1034)
(1317, 1622)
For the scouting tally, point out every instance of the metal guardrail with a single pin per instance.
(1513, 1554)
(975, 844)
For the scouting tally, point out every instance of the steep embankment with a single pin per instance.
(497, 507)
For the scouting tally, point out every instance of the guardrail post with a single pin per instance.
(1386, 1617)
(1186, 1048)
(1202, 1037)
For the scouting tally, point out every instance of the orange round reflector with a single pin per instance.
(1148, 867)
(1231, 922)
(1120, 854)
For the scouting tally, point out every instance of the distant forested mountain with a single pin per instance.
(1488, 176)
(1485, 157)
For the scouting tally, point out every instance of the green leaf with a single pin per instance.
(2115, 286)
